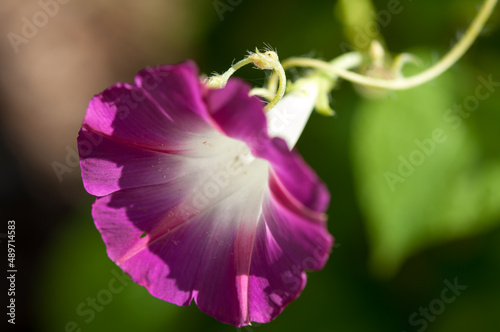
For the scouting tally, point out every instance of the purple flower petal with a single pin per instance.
(146, 116)
(235, 114)
(187, 211)
(113, 165)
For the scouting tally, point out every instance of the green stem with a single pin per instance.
(234, 68)
(406, 83)
(348, 60)
(281, 89)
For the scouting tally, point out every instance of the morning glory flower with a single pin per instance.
(198, 200)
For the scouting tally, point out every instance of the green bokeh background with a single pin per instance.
(394, 249)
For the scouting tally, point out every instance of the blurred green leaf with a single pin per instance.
(85, 272)
(359, 24)
(419, 174)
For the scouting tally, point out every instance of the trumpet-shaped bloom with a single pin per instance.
(195, 200)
